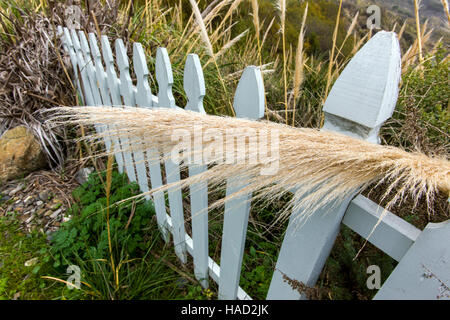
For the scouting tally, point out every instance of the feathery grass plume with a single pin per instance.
(445, 5)
(320, 167)
(419, 40)
(298, 71)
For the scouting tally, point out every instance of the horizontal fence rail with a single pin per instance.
(363, 97)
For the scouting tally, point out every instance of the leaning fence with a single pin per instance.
(361, 100)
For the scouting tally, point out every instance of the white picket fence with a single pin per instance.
(361, 100)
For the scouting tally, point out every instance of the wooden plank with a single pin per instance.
(393, 235)
(312, 242)
(423, 273)
(90, 71)
(194, 86)
(68, 47)
(143, 100)
(248, 103)
(113, 87)
(166, 100)
(100, 76)
(368, 84)
(126, 91)
(154, 166)
(143, 93)
(86, 86)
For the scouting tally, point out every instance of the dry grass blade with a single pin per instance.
(445, 5)
(321, 167)
(419, 38)
(330, 64)
(298, 71)
(201, 25)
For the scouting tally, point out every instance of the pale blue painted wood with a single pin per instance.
(423, 273)
(312, 242)
(144, 98)
(113, 87)
(154, 165)
(194, 86)
(164, 78)
(87, 92)
(100, 77)
(393, 235)
(68, 47)
(90, 70)
(143, 93)
(248, 103)
(166, 100)
(367, 89)
(126, 91)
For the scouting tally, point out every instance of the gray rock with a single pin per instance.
(55, 214)
(39, 203)
(29, 219)
(83, 174)
(44, 195)
(4, 198)
(19, 187)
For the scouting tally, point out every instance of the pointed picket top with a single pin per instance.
(126, 85)
(75, 41)
(249, 97)
(366, 91)
(112, 80)
(68, 39)
(81, 64)
(60, 33)
(165, 79)
(144, 93)
(84, 47)
(90, 68)
(100, 72)
(67, 42)
(194, 84)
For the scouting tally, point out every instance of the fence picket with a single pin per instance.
(90, 70)
(68, 47)
(194, 86)
(143, 93)
(248, 103)
(113, 86)
(86, 86)
(166, 100)
(127, 93)
(143, 100)
(365, 87)
(100, 77)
